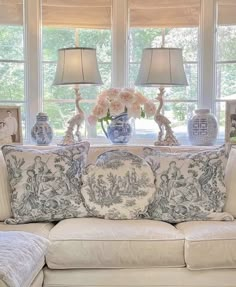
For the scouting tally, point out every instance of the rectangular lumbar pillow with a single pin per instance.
(45, 185)
(188, 186)
(119, 186)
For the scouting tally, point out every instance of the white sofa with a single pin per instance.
(96, 252)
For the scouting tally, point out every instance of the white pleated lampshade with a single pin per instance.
(77, 66)
(161, 67)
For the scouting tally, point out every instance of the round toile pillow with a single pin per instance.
(119, 186)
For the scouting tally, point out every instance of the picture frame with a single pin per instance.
(10, 125)
(230, 122)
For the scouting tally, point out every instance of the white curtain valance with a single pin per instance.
(164, 13)
(226, 12)
(77, 13)
(11, 12)
(60, 13)
(150, 4)
(77, 3)
(97, 13)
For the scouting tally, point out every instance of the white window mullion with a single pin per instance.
(207, 54)
(33, 69)
(119, 43)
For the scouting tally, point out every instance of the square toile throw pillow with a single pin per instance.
(188, 186)
(45, 185)
(119, 186)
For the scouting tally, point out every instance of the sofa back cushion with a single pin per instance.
(45, 185)
(189, 186)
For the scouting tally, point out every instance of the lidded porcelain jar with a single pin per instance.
(202, 128)
(41, 132)
(119, 131)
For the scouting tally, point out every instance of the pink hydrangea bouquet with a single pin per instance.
(114, 101)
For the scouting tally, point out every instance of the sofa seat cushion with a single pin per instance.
(209, 245)
(100, 243)
(41, 229)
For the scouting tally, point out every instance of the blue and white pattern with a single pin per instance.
(45, 185)
(188, 186)
(119, 186)
(42, 132)
(119, 131)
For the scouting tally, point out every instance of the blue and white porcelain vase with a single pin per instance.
(202, 128)
(41, 132)
(119, 131)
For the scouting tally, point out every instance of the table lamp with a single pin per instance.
(76, 66)
(162, 67)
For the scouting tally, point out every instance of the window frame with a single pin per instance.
(33, 55)
(16, 61)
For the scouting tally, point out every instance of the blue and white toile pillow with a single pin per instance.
(119, 186)
(188, 186)
(45, 185)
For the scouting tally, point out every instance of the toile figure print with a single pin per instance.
(119, 186)
(188, 186)
(49, 183)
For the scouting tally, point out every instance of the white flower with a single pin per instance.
(103, 95)
(149, 108)
(130, 90)
(140, 98)
(134, 110)
(103, 101)
(113, 93)
(116, 101)
(126, 97)
(116, 108)
(100, 111)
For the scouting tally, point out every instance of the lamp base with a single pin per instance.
(74, 123)
(69, 139)
(166, 135)
(168, 142)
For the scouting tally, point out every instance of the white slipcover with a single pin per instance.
(100, 243)
(209, 244)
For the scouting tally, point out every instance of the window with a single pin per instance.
(171, 24)
(62, 27)
(12, 55)
(225, 59)
(27, 68)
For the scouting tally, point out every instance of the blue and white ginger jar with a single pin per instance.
(119, 131)
(42, 132)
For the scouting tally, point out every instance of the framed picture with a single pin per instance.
(10, 125)
(230, 122)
